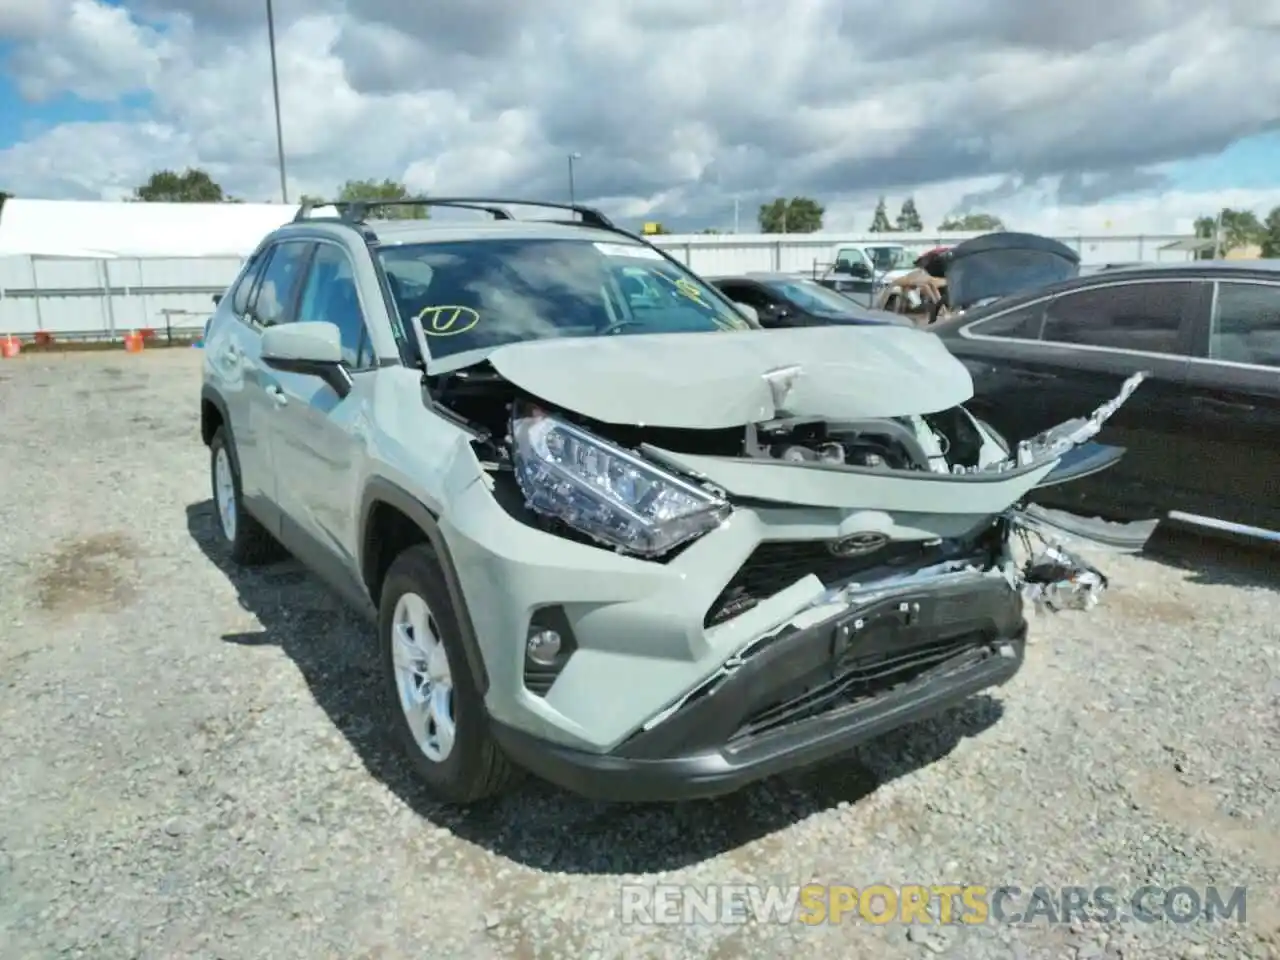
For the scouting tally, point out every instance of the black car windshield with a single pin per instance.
(812, 297)
(475, 294)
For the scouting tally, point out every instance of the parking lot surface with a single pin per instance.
(192, 761)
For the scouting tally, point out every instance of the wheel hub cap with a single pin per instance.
(423, 679)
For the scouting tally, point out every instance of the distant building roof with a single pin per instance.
(126, 229)
(1190, 245)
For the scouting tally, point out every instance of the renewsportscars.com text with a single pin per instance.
(928, 904)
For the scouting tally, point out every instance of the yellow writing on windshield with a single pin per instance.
(446, 321)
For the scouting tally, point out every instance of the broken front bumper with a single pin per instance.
(800, 696)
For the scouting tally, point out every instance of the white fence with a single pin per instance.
(81, 298)
(712, 254)
(74, 298)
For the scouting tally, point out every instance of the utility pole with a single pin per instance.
(275, 92)
(735, 214)
(572, 157)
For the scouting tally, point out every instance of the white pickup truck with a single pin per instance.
(861, 270)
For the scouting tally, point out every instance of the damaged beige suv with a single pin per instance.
(610, 530)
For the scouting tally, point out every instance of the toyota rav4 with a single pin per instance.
(634, 544)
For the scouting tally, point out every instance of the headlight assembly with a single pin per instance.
(605, 492)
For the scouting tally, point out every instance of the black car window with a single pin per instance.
(1131, 316)
(1020, 324)
(329, 295)
(1246, 324)
(244, 287)
(748, 293)
(279, 279)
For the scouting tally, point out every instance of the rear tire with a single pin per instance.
(247, 540)
(436, 709)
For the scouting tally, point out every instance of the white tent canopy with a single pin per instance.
(106, 229)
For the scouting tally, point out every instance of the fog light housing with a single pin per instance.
(549, 643)
(543, 645)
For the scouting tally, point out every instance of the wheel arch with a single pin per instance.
(213, 414)
(386, 506)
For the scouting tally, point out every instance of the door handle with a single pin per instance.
(231, 352)
(1222, 406)
(277, 395)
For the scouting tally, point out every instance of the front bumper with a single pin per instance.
(801, 697)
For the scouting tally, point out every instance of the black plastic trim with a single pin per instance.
(380, 490)
(673, 760)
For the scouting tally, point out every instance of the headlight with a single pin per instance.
(605, 492)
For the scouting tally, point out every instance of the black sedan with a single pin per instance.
(1202, 432)
(786, 300)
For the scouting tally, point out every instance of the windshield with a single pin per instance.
(813, 297)
(477, 294)
(889, 258)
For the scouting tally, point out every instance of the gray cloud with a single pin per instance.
(697, 102)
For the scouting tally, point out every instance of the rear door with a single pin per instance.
(1062, 356)
(1233, 389)
(270, 303)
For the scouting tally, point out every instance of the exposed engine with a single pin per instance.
(942, 444)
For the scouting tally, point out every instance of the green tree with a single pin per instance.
(190, 186)
(711, 230)
(986, 222)
(1239, 229)
(373, 191)
(909, 217)
(4, 195)
(1271, 234)
(880, 219)
(797, 215)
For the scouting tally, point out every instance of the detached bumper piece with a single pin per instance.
(805, 696)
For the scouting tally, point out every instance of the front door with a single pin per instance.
(1074, 356)
(1233, 388)
(317, 440)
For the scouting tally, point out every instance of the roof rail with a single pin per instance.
(356, 211)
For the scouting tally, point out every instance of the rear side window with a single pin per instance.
(240, 297)
(274, 294)
(1134, 316)
(1020, 324)
(1246, 324)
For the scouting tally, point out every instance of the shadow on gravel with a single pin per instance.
(1216, 558)
(538, 825)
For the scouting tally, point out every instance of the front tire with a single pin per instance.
(437, 711)
(246, 539)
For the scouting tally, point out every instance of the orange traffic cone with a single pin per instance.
(133, 342)
(10, 347)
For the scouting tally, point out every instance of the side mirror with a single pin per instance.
(217, 299)
(748, 311)
(313, 349)
(859, 270)
(842, 266)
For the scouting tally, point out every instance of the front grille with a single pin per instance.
(861, 677)
(777, 565)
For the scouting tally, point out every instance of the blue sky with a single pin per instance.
(1249, 164)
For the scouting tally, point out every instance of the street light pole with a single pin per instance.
(572, 157)
(275, 92)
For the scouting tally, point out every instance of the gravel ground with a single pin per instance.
(191, 763)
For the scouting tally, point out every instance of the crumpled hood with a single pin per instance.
(728, 379)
